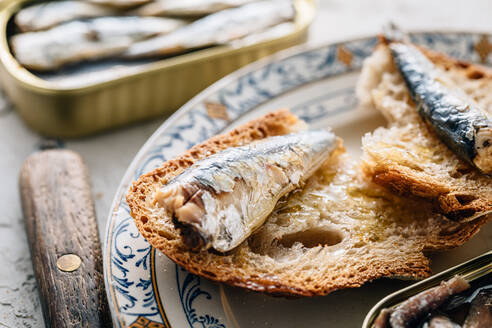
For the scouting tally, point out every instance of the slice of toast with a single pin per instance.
(407, 156)
(339, 231)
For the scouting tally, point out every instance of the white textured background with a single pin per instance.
(108, 155)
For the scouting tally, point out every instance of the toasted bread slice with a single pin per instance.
(339, 231)
(407, 156)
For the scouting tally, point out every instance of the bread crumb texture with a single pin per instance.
(339, 231)
(406, 156)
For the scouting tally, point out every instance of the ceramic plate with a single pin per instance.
(146, 289)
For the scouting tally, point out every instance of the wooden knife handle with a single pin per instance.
(62, 230)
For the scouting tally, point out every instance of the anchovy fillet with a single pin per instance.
(407, 313)
(219, 28)
(219, 201)
(457, 120)
(86, 40)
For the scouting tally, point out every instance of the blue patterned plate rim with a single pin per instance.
(187, 108)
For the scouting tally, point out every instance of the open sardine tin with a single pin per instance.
(470, 271)
(149, 89)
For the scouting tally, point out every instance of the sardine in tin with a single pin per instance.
(470, 270)
(157, 89)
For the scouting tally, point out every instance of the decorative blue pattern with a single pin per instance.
(189, 289)
(131, 252)
(329, 104)
(128, 278)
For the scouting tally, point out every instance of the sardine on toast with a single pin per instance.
(456, 119)
(48, 14)
(215, 29)
(220, 200)
(187, 8)
(85, 40)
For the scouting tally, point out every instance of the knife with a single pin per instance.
(63, 237)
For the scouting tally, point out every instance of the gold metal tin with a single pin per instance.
(4, 3)
(471, 270)
(157, 89)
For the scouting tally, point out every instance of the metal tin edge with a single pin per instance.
(470, 270)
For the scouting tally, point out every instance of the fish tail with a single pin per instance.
(393, 33)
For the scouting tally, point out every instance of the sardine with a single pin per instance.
(218, 28)
(480, 314)
(86, 40)
(186, 8)
(120, 3)
(48, 14)
(407, 313)
(457, 120)
(219, 201)
(274, 32)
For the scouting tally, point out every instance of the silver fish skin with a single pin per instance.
(271, 33)
(458, 121)
(219, 28)
(219, 201)
(85, 40)
(187, 8)
(48, 14)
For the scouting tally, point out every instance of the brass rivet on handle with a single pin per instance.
(68, 262)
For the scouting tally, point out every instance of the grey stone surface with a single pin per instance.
(108, 155)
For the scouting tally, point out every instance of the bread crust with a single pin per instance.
(470, 70)
(235, 268)
(463, 194)
(458, 205)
